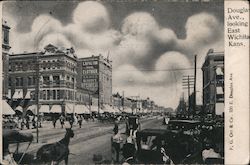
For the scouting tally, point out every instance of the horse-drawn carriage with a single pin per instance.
(10, 137)
(48, 153)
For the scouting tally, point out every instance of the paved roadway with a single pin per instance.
(92, 138)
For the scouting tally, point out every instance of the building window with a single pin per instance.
(9, 82)
(19, 81)
(54, 94)
(29, 80)
(46, 80)
(48, 94)
(6, 37)
(44, 95)
(32, 95)
(56, 80)
(58, 94)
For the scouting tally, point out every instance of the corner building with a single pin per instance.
(52, 72)
(213, 83)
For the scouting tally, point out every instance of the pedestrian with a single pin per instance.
(27, 122)
(54, 122)
(80, 121)
(62, 119)
(34, 122)
(115, 141)
(71, 121)
(22, 124)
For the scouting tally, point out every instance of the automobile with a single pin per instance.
(183, 125)
(177, 147)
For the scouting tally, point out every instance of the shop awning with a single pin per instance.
(7, 110)
(81, 109)
(56, 109)
(28, 96)
(44, 109)
(94, 108)
(128, 110)
(32, 109)
(69, 108)
(19, 108)
(18, 94)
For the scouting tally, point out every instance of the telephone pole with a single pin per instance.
(188, 83)
(195, 63)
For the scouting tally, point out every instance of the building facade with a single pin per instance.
(213, 83)
(53, 73)
(95, 74)
(5, 58)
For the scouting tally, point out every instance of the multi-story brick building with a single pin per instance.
(95, 74)
(5, 58)
(213, 83)
(54, 72)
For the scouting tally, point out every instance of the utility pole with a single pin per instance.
(195, 63)
(37, 95)
(187, 83)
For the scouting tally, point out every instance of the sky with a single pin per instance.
(151, 44)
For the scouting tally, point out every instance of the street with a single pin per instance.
(92, 138)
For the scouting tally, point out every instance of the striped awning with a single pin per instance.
(69, 108)
(18, 94)
(7, 110)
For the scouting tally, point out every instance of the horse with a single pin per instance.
(56, 152)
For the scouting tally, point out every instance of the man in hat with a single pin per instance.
(116, 139)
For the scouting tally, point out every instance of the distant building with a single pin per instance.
(213, 83)
(117, 101)
(95, 74)
(55, 69)
(5, 58)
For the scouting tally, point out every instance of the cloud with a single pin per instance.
(91, 16)
(147, 58)
(202, 29)
(55, 39)
(139, 24)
